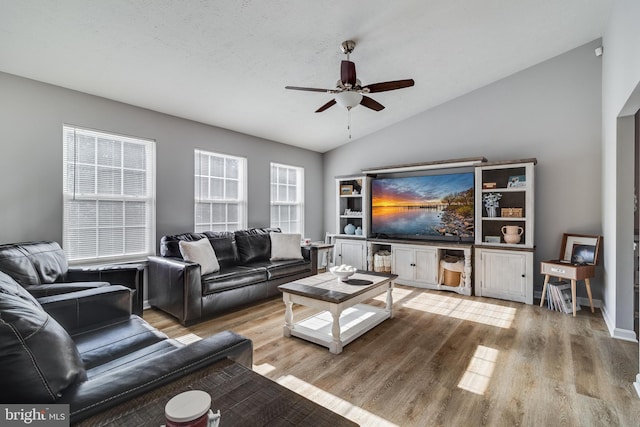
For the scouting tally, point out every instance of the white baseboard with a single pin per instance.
(619, 333)
(636, 384)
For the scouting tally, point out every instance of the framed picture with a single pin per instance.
(346, 189)
(580, 248)
(517, 181)
(492, 239)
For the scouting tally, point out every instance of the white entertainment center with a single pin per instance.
(490, 265)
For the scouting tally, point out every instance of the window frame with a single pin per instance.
(70, 172)
(299, 203)
(241, 201)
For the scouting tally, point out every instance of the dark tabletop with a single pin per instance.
(244, 398)
(327, 287)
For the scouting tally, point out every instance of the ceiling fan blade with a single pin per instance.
(384, 86)
(308, 89)
(348, 73)
(325, 106)
(371, 103)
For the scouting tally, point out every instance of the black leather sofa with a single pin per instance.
(85, 349)
(42, 269)
(246, 274)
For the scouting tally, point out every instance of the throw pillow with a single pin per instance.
(285, 246)
(201, 252)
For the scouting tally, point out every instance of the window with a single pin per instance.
(109, 196)
(220, 192)
(287, 198)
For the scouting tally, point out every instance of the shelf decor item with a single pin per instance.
(350, 229)
(512, 233)
(511, 212)
(489, 185)
(517, 181)
(491, 203)
(346, 189)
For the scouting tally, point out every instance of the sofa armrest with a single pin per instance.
(49, 289)
(100, 393)
(175, 286)
(76, 311)
(129, 275)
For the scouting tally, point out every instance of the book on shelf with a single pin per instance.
(559, 297)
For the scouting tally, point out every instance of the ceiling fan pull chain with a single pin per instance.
(349, 122)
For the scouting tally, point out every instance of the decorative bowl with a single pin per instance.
(343, 272)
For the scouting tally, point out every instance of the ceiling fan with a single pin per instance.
(349, 91)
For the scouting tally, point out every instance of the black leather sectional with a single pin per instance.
(86, 349)
(246, 274)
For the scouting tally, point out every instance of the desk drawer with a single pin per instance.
(566, 271)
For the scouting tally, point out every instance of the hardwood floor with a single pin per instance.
(449, 360)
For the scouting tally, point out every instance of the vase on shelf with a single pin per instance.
(512, 233)
(492, 211)
(358, 231)
(350, 229)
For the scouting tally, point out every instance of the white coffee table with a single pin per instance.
(343, 317)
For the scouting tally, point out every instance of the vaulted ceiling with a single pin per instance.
(226, 63)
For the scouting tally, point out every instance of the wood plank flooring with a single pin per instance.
(449, 360)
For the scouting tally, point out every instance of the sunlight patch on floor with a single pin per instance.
(397, 294)
(264, 369)
(188, 338)
(478, 374)
(465, 309)
(334, 403)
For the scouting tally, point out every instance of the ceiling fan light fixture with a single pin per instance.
(348, 99)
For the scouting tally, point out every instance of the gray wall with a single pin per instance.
(31, 119)
(621, 98)
(550, 111)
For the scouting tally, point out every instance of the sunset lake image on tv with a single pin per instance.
(430, 206)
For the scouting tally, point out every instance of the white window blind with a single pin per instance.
(220, 192)
(287, 198)
(109, 196)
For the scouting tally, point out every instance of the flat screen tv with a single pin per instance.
(430, 207)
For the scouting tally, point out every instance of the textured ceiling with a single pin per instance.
(226, 63)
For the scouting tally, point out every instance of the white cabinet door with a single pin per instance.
(426, 266)
(351, 252)
(415, 264)
(403, 263)
(504, 274)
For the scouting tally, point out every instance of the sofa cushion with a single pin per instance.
(285, 246)
(201, 252)
(284, 268)
(170, 245)
(101, 345)
(232, 277)
(34, 263)
(134, 357)
(223, 243)
(254, 244)
(38, 359)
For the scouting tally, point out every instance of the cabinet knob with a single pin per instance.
(524, 275)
